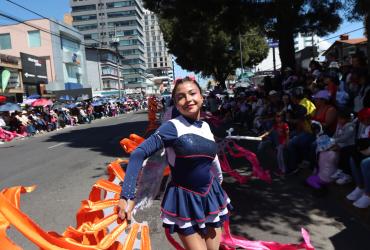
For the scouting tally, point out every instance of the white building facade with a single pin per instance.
(300, 42)
(159, 61)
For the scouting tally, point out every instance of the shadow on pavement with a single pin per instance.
(286, 205)
(103, 139)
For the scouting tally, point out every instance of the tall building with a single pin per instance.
(159, 61)
(103, 21)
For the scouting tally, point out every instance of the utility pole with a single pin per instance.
(313, 46)
(241, 54)
(274, 58)
(173, 68)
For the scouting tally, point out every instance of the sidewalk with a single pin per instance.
(277, 211)
(79, 125)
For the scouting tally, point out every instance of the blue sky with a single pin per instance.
(57, 8)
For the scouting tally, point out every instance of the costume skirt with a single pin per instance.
(186, 212)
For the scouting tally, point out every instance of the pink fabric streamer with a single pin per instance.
(227, 169)
(252, 158)
(173, 242)
(232, 242)
(257, 170)
(7, 136)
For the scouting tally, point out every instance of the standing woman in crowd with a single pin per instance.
(363, 92)
(194, 204)
(325, 113)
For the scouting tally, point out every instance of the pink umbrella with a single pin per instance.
(42, 102)
(28, 101)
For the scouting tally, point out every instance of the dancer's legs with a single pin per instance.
(193, 242)
(213, 238)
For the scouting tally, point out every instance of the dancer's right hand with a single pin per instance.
(125, 209)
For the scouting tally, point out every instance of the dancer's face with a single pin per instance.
(188, 99)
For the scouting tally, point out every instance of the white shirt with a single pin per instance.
(2, 122)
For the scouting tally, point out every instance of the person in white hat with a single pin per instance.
(327, 162)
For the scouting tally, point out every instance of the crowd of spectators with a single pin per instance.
(34, 120)
(318, 118)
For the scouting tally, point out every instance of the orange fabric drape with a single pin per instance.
(91, 232)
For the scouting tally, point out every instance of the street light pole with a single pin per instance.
(115, 44)
(118, 78)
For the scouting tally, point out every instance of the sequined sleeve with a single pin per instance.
(216, 170)
(163, 137)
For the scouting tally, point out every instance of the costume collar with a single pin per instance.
(196, 123)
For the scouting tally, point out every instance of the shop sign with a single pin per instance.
(8, 59)
(34, 69)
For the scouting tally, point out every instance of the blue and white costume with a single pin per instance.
(194, 199)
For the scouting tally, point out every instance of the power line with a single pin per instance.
(39, 28)
(351, 31)
(57, 23)
(64, 37)
(20, 6)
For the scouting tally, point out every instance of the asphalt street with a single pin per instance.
(65, 164)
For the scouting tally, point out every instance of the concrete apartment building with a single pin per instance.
(101, 21)
(159, 61)
(63, 52)
(103, 72)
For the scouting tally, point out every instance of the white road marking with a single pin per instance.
(57, 145)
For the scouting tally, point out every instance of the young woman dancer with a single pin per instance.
(194, 204)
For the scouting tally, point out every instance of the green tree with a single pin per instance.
(284, 19)
(278, 19)
(203, 40)
(359, 10)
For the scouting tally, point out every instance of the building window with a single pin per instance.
(70, 45)
(120, 4)
(5, 42)
(84, 17)
(34, 39)
(86, 27)
(155, 65)
(83, 8)
(121, 13)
